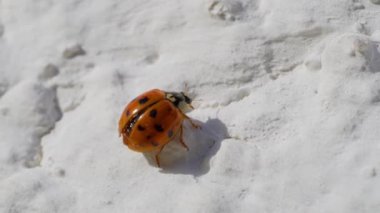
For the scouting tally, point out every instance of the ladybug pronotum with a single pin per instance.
(153, 119)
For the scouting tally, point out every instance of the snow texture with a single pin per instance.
(287, 94)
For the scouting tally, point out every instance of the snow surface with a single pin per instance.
(287, 94)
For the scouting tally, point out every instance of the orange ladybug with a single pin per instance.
(153, 119)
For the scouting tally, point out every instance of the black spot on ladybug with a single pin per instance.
(153, 113)
(170, 133)
(158, 127)
(154, 143)
(143, 100)
(149, 137)
(140, 128)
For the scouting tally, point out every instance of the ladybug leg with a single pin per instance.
(191, 121)
(181, 138)
(157, 158)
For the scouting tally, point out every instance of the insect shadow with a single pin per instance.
(203, 143)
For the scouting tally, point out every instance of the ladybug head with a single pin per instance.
(180, 100)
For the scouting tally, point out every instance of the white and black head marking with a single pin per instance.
(180, 100)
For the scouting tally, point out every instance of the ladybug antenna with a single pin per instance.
(186, 87)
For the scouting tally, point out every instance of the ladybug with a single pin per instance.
(153, 119)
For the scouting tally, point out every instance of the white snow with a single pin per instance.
(287, 94)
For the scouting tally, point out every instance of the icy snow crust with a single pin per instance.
(287, 94)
